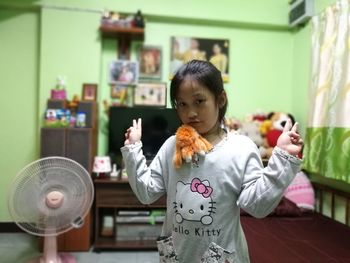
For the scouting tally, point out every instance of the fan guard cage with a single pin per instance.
(30, 187)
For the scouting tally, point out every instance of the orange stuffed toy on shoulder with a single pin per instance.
(189, 144)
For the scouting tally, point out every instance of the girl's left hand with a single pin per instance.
(290, 140)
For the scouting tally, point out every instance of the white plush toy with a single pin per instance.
(251, 129)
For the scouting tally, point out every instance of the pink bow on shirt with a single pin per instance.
(198, 186)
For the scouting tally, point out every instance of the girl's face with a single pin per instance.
(197, 107)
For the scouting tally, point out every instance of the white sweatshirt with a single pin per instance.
(203, 218)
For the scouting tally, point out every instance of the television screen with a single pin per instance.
(158, 124)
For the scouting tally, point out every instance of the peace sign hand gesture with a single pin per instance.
(133, 134)
(290, 140)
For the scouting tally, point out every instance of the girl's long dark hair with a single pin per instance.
(205, 74)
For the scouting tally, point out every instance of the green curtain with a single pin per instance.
(327, 140)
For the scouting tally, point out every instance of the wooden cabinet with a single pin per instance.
(113, 195)
(80, 145)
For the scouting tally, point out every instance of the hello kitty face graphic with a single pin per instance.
(193, 202)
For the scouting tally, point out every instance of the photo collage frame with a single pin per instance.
(137, 83)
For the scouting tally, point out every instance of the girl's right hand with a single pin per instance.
(133, 134)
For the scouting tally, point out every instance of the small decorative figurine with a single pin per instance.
(59, 93)
(138, 19)
(81, 119)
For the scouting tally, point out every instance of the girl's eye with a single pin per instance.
(181, 205)
(180, 104)
(202, 207)
(199, 101)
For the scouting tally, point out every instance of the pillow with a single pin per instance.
(301, 192)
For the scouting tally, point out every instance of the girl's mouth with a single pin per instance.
(193, 123)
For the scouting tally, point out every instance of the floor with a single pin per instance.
(21, 247)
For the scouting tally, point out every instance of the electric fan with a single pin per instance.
(49, 197)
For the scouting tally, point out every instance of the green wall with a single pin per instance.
(256, 12)
(19, 53)
(268, 62)
(70, 47)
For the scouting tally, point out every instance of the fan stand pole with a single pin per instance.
(50, 250)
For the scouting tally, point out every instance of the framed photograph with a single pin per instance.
(150, 94)
(123, 72)
(184, 49)
(150, 61)
(89, 92)
(119, 91)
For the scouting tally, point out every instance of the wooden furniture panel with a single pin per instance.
(52, 142)
(117, 194)
(57, 104)
(124, 36)
(109, 196)
(80, 145)
(79, 239)
(132, 33)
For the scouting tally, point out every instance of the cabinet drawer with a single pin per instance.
(115, 195)
(121, 195)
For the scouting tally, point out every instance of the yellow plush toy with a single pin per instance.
(189, 144)
(265, 126)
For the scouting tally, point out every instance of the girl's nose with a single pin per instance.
(192, 114)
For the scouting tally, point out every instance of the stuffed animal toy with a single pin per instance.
(189, 144)
(232, 124)
(251, 129)
(265, 126)
(272, 130)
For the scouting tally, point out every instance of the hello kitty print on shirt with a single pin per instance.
(193, 202)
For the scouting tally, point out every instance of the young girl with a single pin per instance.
(202, 221)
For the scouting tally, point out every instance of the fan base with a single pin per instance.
(63, 258)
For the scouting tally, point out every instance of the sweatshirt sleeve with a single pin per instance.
(146, 182)
(263, 188)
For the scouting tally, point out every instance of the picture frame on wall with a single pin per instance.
(119, 91)
(150, 94)
(123, 72)
(150, 62)
(184, 49)
(89, 92)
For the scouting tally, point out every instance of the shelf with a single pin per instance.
(112, 243)
(110, 180)
(124, 35)
(111, 195)
(132, 33)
